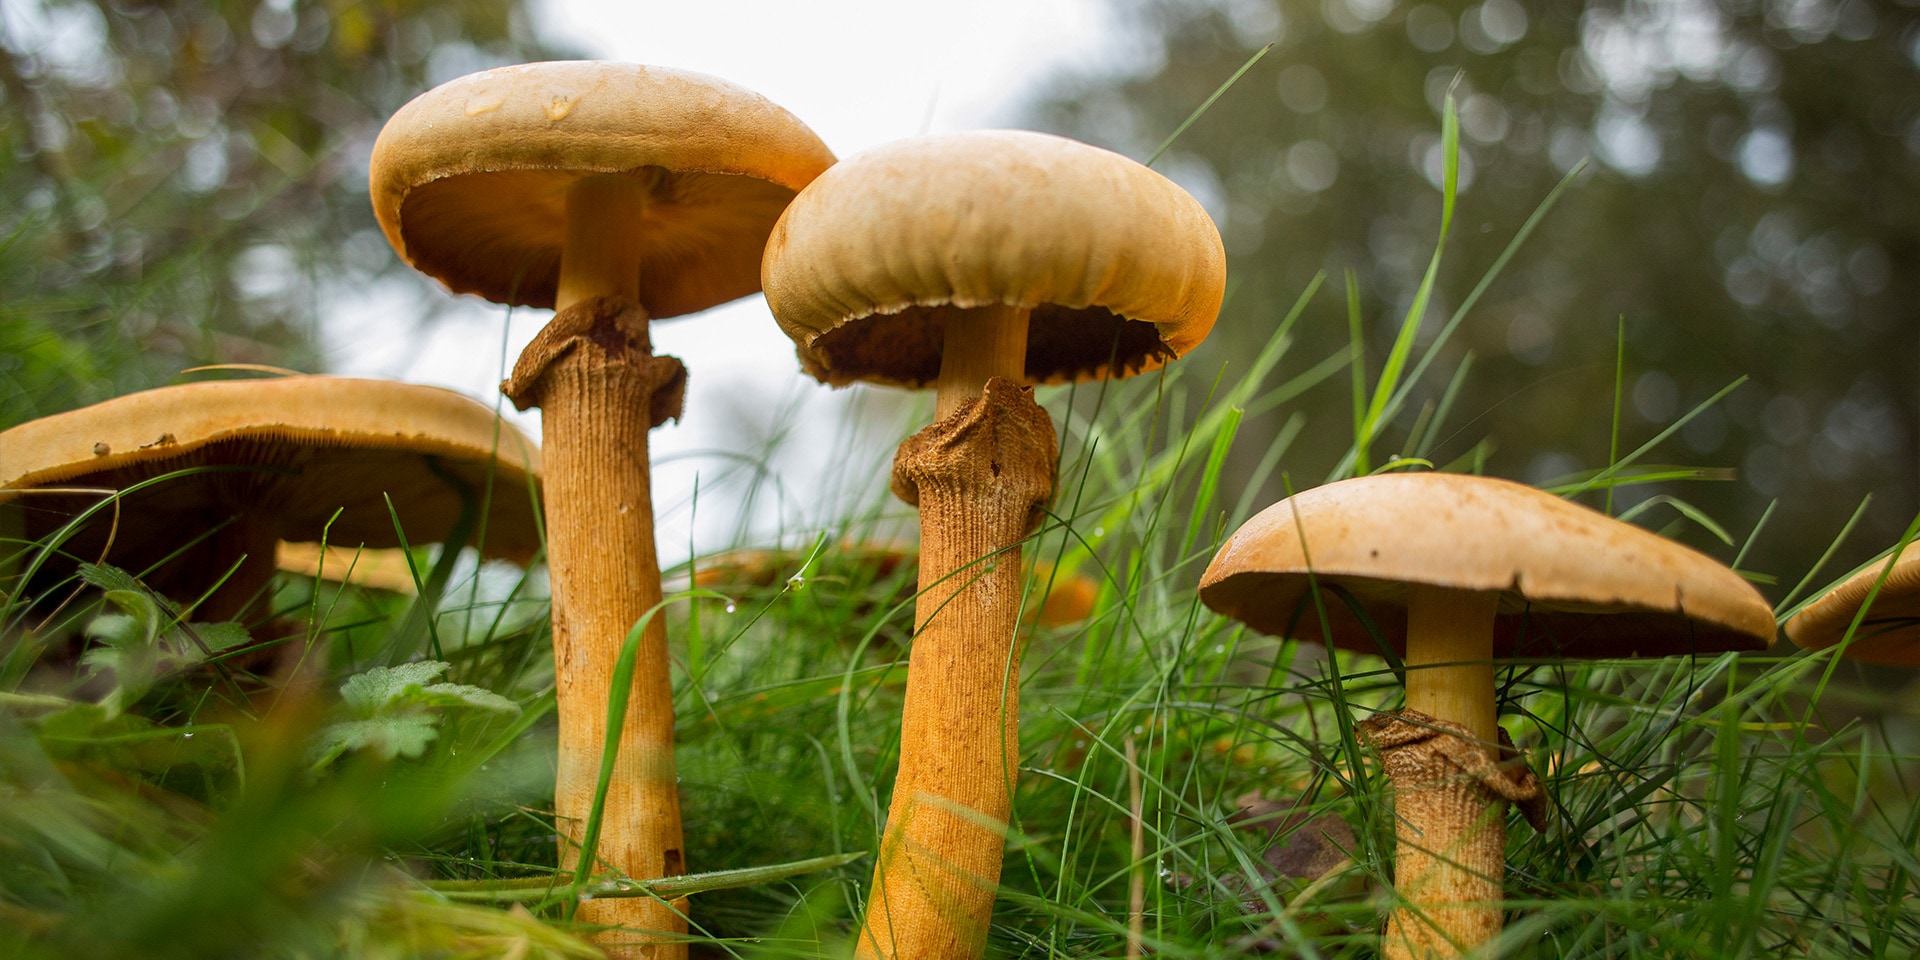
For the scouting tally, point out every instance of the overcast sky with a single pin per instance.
(860, 73)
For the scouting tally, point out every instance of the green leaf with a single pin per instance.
(387, 736)
(466, 695)
(370, 692)
(219, 637)
(114, 629)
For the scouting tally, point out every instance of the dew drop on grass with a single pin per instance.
(730, 606)
(186, 736)
(713, 696)
(1219, 648)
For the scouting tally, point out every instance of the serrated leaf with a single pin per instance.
(386, 736)
(219, 637)
(116, 629)
(467, 695)
(370, 692)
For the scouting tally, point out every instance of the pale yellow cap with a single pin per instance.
(287, 452)
(1122, 269)
(469, 180)
(1889, 634)
(1573, 581)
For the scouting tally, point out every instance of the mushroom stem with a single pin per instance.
(1450, 860)
(981, 343)
(1450, 657)
(978, 478)
(593, 374)
(247, 595)
(599, 257)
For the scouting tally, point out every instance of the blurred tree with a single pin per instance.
(181, 177)
(1754, 208)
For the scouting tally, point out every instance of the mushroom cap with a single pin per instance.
(1890, 634)
(1121, 268)
(365, 567)
(1573, 581)
(288, 453)
(470, 179)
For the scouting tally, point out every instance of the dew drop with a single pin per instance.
(713, 696)
(730, 606)
(186, 736)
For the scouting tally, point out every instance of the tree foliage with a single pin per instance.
(181, 177)
(1753, 208)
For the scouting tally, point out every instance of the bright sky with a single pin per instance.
(860, 73)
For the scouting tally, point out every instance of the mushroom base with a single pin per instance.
(980, 478)
(1450, 814)
(600, 389)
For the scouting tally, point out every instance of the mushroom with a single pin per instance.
(978, 263)
(613, 193)
(282, 456)
(1453, 571)
(1889, 633)
(386, 569)
(1065, 598)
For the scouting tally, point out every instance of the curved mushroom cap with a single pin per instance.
(1122, 269)
(1573, 581)
(366, 567)
(1889, 634)
(470, 179)
(286, 454)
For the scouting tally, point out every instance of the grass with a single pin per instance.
(1716, 807)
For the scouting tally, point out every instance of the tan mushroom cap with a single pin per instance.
(1889, 634)
(1573, 582)
(469, 180)
(294, 449)
(1115, 261)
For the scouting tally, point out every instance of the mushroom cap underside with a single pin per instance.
(287, 454)
(1890, 632)
(1573, 582)
(1121, 268)
(469, 180)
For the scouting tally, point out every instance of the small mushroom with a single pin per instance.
(978, 264)
(1453, 571)
(613, 193)
(283, 456)
(1888, 634)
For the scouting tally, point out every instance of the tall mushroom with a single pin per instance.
(613, 193)
(1453, 571)
(1890, 631)
(978, 263)
(283, 456)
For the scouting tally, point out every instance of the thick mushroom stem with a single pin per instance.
(981, 343)
(979, 478)
(593, 374)
(1450, 860)
(247, 594)
(599, 258)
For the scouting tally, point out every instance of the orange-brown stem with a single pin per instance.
(247, 594)
(1450, 861)
(1450, 801)
(600, 389)
(980, 343)
(980, 478)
